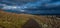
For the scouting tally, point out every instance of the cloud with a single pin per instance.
(24, 7)
(34, 5)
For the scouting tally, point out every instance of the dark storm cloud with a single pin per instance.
(35, 4)
(32, 6)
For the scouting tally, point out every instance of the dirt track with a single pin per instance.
(31, 24)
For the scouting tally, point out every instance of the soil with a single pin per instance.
(31, 24)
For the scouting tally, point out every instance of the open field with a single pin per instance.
(12, 20)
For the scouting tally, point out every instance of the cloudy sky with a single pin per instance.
(22, 5)
(30, 3)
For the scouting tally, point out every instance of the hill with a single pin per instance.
(13, 20)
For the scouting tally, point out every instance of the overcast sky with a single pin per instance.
(29, 4)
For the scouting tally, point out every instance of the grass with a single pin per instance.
(12, 20)
(8, 19)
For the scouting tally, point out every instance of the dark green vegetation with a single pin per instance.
(12, 20)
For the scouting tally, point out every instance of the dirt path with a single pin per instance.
(31, 24)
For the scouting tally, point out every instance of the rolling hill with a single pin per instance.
(13, 20)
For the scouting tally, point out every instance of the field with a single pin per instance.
(12, 20)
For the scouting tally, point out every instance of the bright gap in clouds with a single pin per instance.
(19, 8)
(9, 7)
